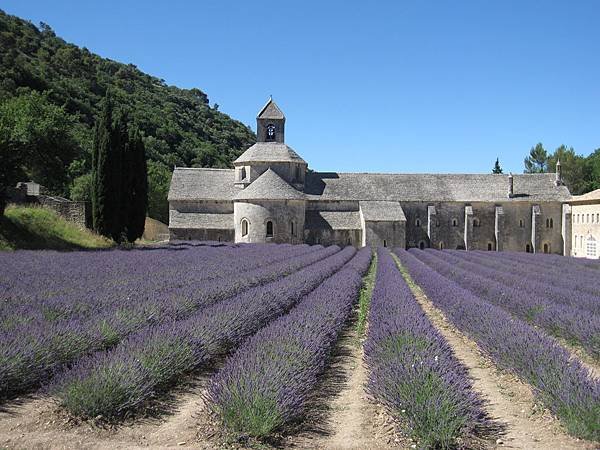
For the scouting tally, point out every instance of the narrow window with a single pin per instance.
(547, 223)
(219, 238)
(349, 241)
(292, 228)
(454, 222)
(437, 223)
(520, 223)
(269, 229)
(244, 227)
(422, 245)
(528, 248)
(418, 222)
(587, 218)
(384, 243)
(490, 247)
(546, 248)
(270, 132)
(298, 173)
(242, 173)
(476, 222)
(551, 222)
(441, 246)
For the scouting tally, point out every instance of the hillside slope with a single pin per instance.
(26, 227)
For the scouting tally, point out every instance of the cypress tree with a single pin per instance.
(497, 168)
(101, 153)
(114, 202)
(139, 187)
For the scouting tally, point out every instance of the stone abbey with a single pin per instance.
(270, 196)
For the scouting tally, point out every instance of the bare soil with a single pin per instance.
(529, 425)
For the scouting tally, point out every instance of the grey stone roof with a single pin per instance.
(270, 111)
(179, 219)
(202, 184)
(269, 152)
(432, 187)
(269, 186)
(382, 211)
(332, 220)
(589, 197)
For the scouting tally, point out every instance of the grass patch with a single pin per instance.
(37, 228)
(364, 298)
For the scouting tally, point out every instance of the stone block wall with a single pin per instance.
(282, 214)
(201, 234)
(80, 213)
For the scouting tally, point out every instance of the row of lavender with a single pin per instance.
(412, 369)
(109, 383)
(267, 382)
(559, 381)
(544, 306)
(32, 353)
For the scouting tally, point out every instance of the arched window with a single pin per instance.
(454, 222)
(384, 243)
(490, 246)
(292, 227)
(270, 132)
(244, 227)
(418, 222)
(551, 222)
(546, 248)
(547, 223)
(441, 246)
(219, 238)
(528, 248)
(521, 223)
(476, 222)
(587, 218)
(269, 229)
(422, 245)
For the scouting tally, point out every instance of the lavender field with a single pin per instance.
(105, 334)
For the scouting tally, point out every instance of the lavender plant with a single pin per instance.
(213, 331)
(519, 298)
(412, 369)
(267, 382)
(31, 353)
(559, 381)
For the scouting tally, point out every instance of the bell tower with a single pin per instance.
(270, 123)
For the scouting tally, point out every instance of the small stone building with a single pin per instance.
(585, 214)
(270, 196)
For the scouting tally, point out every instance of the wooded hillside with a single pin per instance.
(179, 126)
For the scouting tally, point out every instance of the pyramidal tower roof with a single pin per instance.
(270, 111)
(269, 186)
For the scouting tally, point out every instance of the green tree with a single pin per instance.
(574, 170)
(159, 179)
(592, 163)
(497, 169)
(537, 161)
(81, 189)
(37, 142)
(138, 197)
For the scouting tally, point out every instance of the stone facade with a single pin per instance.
(270, 196)
(585, 222)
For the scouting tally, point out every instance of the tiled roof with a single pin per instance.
(432, 187)
(590, 196)
(270, 111)
(270, 152)
(202, 184)
(269, 186)
(382, 211)
(332, 220)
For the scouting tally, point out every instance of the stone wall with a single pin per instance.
(80, 213)
(201, 234)
(281, 213)
(342, 238)
(385, 234)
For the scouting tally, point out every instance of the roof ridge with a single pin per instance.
(201, 168)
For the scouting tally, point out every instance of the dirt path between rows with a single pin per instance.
(38, 424)
(352, 421)
(528, 424)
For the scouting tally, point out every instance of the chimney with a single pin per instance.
(511, 190)
(558, 180)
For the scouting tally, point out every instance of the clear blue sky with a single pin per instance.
(373, 86)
